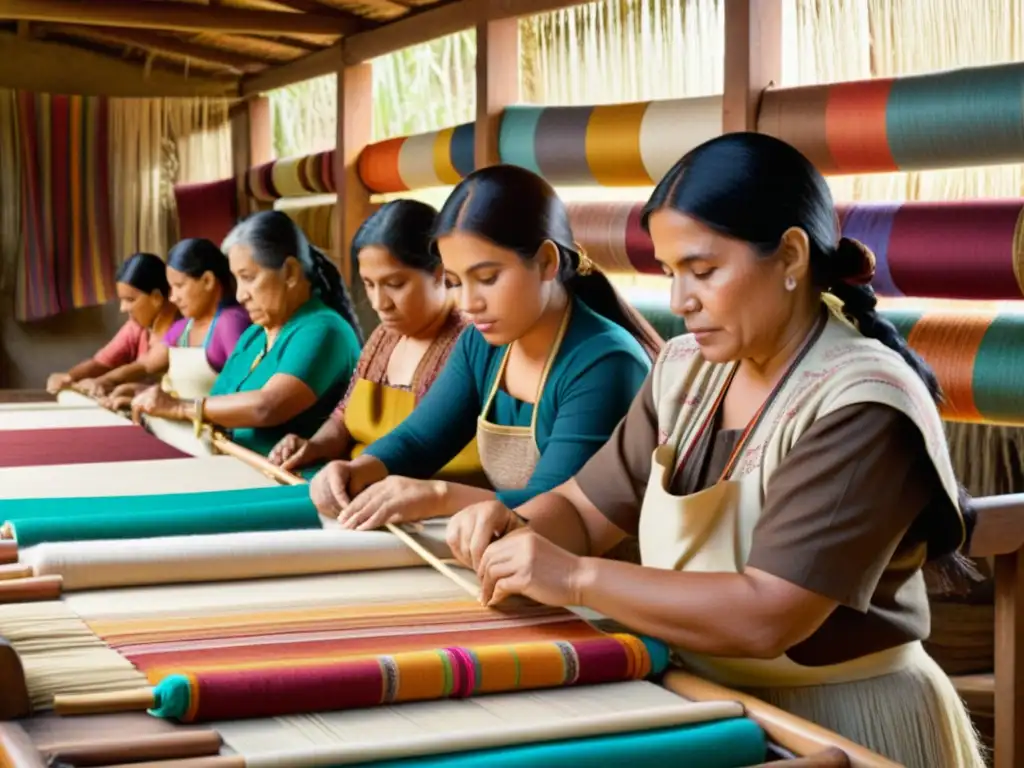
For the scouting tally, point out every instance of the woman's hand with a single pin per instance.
(525, 563)
(155, 402)
(96, 388)
(121, 398)
(393, 500)
(471, 530)
(293, 452)
(329, 488)
(55, 382)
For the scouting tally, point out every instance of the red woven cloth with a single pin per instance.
(82, 445)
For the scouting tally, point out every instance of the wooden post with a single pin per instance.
(355, 126)
(251, 145)
(753, 59)
(497, 83)
(1009, 661)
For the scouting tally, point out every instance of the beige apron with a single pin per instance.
(712, 532)
(189, 375)
(509, 455)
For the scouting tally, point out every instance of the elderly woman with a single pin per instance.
(291, 366)
(419, 325)
(784, 468)
(143, 292)
(548, 369)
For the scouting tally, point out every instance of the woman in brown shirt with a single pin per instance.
(783, 469)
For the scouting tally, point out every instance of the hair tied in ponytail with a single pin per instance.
(854, 262)
(585, 266)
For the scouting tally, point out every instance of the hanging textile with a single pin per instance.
(66, 260)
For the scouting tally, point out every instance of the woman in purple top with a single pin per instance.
(195, 348)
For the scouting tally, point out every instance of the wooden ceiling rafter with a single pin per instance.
(146, 14)
(164, 45)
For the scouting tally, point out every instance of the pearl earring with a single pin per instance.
(790, 283)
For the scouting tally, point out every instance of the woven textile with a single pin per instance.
(81, 445)
(954, 119)
(67, 259)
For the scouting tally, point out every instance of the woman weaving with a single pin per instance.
(143, 291)
(541, 380)
(291, 366)
(405, 282)
(785, 472)
(195, 348)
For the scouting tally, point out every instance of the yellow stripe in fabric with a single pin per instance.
(193, 697)
(613, 145)
(443, 166)
(1018, 251)
(423, 675)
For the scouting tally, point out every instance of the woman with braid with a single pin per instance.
(292, 365)
(783, 467)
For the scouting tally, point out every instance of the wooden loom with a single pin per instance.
(789, 733)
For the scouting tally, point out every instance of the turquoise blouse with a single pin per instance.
(316, 346)
(596, 373)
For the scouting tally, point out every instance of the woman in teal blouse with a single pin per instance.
(291, 366)
(550, 367)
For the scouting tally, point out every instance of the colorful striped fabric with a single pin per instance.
(67, 259)
(977, 357)
(959, 250)
(435, 159)
(957, 118)
(292, 177)
(415, 675)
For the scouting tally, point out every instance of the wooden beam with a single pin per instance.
(152, 41)
(497, 84)
(416, 28)
(355, 130)
(753, 59)
(55, 68)
(312, 6)
(177, 16)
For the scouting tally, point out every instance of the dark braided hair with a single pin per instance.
(195, 256)
(274, 237)
(754, 187)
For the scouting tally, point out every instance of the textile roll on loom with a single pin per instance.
(231, 654)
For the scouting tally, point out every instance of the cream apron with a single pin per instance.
(897, 701)
(509, 455)
(189, 375)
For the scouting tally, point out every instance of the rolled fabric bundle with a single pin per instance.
(277, 508)
(369, 681)
(223, 557)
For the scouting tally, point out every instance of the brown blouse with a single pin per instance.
(838, 517)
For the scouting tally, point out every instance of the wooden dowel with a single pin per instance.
(137, 700)
(16, 571)
(283, 476)
(472, 589)
(221, 761)
(176, 745)
(8, 551)
(799, 736)
(35, 589)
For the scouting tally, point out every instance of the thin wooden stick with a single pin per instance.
(283, 476)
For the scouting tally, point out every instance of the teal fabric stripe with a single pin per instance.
(211, 500)
(517, 139)
(189, 514)
(903, 319)
(724, 744)
(999, 370)
(963, 117)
